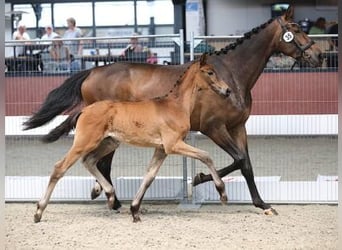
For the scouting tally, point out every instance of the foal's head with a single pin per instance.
(294, 42)
(209, 76)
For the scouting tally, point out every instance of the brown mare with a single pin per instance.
(162, 123)
(222, 120)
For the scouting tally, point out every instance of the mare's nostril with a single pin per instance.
(228, 92)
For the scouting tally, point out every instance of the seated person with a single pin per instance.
(332, 58)
(133, 46)
(20, 50)
(59, 56)
(20, 34)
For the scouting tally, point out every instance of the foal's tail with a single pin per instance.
(62, 129)
(63, 98)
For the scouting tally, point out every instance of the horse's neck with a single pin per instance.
(183, 93)
(248, 60)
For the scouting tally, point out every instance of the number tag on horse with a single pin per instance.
(288, 36)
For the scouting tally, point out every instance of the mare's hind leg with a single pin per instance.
(107, 146)
(154, 166)
(184, 149)
(60, 168)
(104, 166)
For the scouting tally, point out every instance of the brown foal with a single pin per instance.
(161, 123)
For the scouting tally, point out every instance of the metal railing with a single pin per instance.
(292, 129)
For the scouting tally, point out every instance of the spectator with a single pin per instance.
(332, 58)
(318, 27)
(20, 34)
(133, 46)
(60, 55)
(75, 47)
(49, 33)
(152, 58)
(334, 41)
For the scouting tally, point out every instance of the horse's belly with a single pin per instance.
(136, 138)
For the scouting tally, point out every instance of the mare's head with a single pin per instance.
(294, 42)
(209, 76)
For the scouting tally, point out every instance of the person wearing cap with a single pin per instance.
(49, 33)
(20, 34)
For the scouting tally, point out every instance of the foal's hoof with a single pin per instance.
(96, 191)
(224, 199)
(197, 179)
(270, 211)
(37, 217)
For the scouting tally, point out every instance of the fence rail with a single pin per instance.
(292, 129)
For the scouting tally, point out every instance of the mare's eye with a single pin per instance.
(210, 73)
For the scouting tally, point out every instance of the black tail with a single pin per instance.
(64, 98)
(62, 129)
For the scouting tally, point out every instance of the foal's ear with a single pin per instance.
(203, 59)
(289, 13)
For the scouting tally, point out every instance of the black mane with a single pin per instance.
(240, 40)
(178, 82)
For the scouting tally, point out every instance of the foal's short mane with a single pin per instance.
(178, 82)
(239, 41)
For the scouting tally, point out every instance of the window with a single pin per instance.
(82, 12)
(161, 10)
(114, 13)
(28, 17)
(111, 18)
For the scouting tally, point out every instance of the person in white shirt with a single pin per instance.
(20, 34)
(49, 33)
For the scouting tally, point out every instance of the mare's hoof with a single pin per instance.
(96, 191)
(270, 211)
(37, 218)
(117, 205)
(136, 218)
(197, 179)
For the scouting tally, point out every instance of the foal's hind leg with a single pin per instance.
(184, 149)
(106, 146)
(60, 168)
(157, 160)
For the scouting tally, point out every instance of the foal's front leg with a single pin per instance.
(154, 166)
(184, 149)
(60, 168)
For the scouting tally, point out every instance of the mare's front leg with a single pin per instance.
(234, 142)
(105, 150)
(154, 166)
(104, 166)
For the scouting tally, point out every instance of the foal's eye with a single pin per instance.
(210, 73)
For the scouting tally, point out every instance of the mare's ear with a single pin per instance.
(203, 59)
(289, 13)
